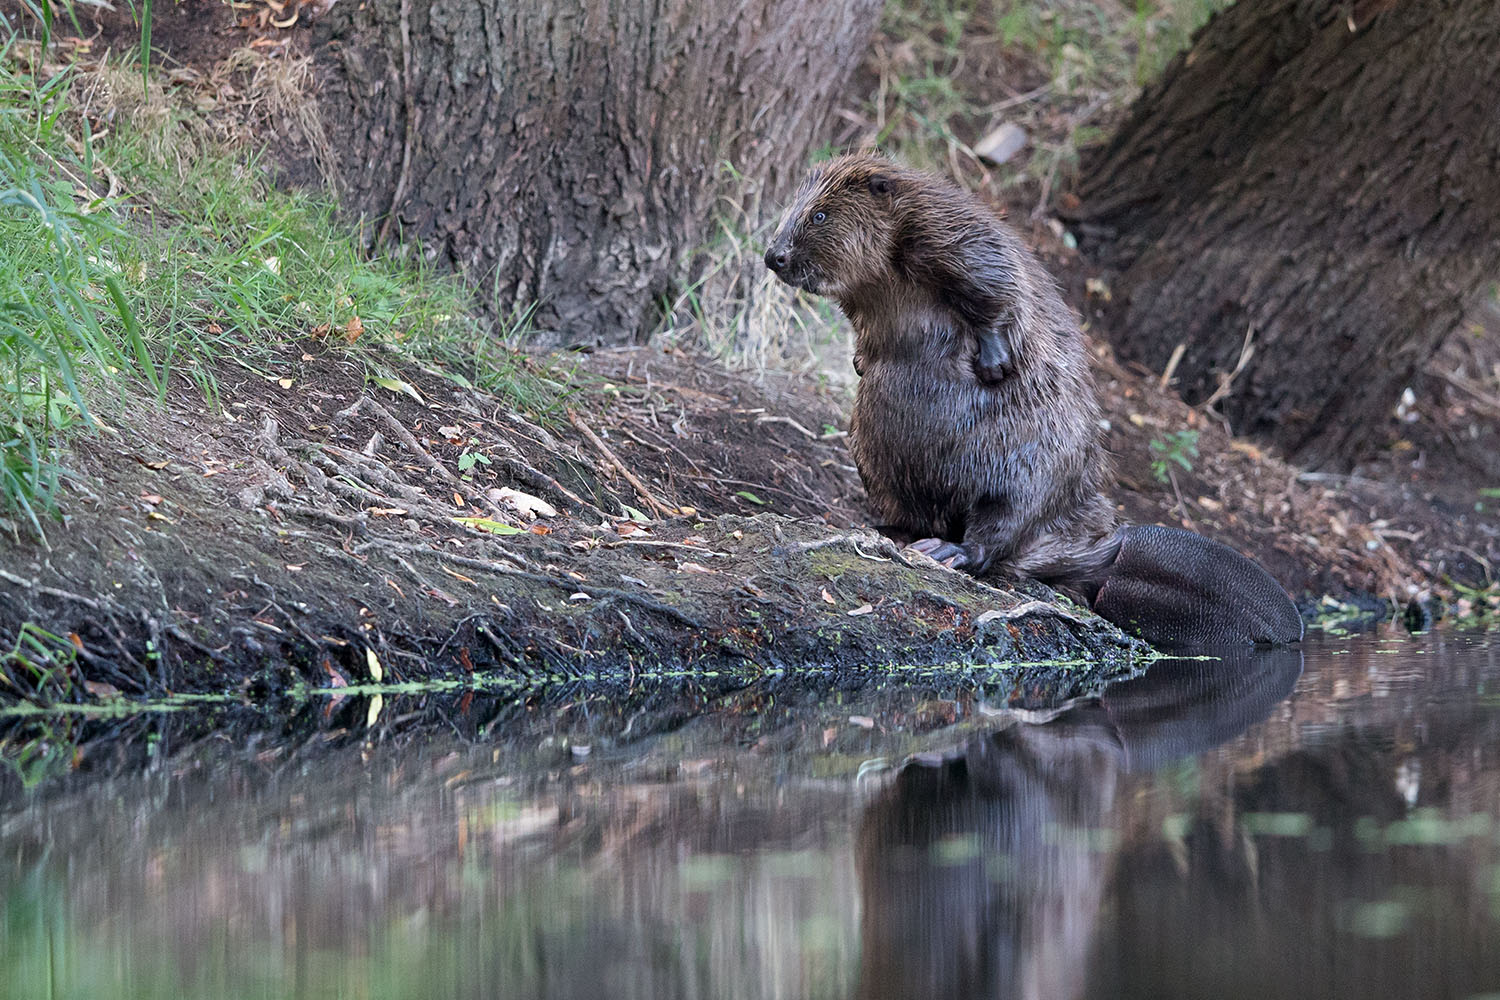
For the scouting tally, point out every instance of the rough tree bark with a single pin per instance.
(1322, 175)
(568, 153)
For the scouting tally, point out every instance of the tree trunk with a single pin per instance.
(1322, 177)
(567, 154)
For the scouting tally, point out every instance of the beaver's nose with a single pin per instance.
(776, 259)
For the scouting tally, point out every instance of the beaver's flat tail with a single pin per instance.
(1177, 589)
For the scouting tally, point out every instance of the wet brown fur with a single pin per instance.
(975, 421)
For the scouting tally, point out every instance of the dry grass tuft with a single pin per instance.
(736, 310)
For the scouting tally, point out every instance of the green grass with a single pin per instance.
(139, 253)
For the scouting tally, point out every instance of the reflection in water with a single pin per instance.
(1211, 829)
(982, 872)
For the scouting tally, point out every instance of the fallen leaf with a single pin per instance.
(295, 567)
(335, 679)
(539, 529)
(580, 596)
(687, 511)
(151, 498)
(692, 567)
(828, 598)
(863, 609)
(353, 329)
(286, 383)
(458, 501)
(747, 495)
(101, 690)
(373, 715)
(386, 511)
(308, 357)
(862, 721)
(487, 525)
(377, 672)
(396, 385)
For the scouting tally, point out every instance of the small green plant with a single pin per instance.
(469, 459)
(39, 665)
(1178, 448)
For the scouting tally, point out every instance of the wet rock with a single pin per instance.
(1421, 611)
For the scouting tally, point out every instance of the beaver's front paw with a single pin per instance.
(950, 554)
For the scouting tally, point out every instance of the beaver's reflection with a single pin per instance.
(981, 873)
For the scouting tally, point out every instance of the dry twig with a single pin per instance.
(657, 507)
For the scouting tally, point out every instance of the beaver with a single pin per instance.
(976, 429)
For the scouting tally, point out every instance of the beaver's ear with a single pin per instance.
(882, 185)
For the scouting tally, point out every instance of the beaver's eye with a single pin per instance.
(818, 217)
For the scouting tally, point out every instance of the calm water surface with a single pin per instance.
(1316, 823)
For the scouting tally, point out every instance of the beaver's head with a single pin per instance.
(839, 233)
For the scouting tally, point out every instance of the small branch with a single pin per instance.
(660, 509)
(768, 419)
(1247, 351)
(1172, 363)
(852, 540)
(1182, 510)
(181, 636)
(35, 587)
(1030, 608)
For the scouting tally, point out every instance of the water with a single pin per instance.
(1318, 823)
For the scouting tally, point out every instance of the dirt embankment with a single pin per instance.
(669, 517)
